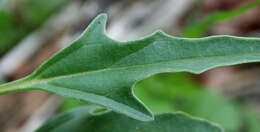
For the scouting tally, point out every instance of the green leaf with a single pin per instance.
(200, 28)
(102, 71)
(84, 120)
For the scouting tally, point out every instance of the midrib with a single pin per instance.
(142, 65)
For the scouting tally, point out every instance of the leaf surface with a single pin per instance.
(83, 120)
(102, 71)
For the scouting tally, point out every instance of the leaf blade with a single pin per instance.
(103, 71)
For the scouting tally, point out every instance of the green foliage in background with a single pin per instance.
(23, 19)
(252, 119)
(2, 81)
(198, 29)
(9, 31)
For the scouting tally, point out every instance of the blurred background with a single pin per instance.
(33, 30)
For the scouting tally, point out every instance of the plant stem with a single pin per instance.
(14, 86)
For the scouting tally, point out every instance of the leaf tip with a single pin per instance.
(99, 23)
(159, 32)
(96, 28)
(101, 18)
